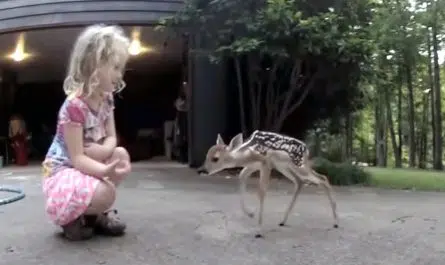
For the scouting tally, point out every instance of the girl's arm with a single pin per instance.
(96, 151)
(74, 142)
(72, 121)
(110, 141)
(104, 151)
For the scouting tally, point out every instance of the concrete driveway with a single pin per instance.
(177, 217)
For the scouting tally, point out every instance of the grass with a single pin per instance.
(415, 179)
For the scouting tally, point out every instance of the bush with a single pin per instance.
(341, 174)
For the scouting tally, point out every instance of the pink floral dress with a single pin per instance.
(68, 192)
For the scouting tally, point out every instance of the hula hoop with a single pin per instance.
(20, 195)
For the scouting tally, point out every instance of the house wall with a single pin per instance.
(208, 100)
(30, 14)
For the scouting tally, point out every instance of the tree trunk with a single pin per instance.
(380, 133)
(395, 145)
(423, 136)
(252, 82)
(349, 136)
(241, 96)
(399, 115)
(295, 85)
(317, 147)
(431, 92)
(437, 164)
(412, 133)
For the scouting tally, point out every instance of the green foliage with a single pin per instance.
(326, 144)
(341, 174)
(383, 44)
(276, 28)
(286, 46)
(328, 139)
(400, 31)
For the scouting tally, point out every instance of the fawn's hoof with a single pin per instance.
(281, 224)
(258, 235)
(335, 225)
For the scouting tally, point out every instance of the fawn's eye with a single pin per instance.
(215, 159)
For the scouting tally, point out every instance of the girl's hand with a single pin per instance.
(110, 168)
(109, 182)
(123, 168)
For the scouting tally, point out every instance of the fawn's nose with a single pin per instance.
(202, 170)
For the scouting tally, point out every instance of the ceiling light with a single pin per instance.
(136, 46)
(19, 54)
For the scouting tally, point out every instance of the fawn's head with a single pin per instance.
(219, 156)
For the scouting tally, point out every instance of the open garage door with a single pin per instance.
(32, 88)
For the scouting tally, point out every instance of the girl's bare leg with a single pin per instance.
(103, 198)
(97, 215)
(83, 227)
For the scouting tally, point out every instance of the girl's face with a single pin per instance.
(110, 75)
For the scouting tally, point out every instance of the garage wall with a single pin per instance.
(30, 14)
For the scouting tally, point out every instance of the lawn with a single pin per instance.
(426, 180)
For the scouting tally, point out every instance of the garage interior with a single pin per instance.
(33, 67)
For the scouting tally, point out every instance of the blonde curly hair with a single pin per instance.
(96, 46)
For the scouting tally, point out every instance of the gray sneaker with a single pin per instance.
(107, 225)
(77, 231)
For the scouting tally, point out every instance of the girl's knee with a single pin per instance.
(103, 198)
(122, 153)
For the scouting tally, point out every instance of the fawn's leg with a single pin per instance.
(263, 185)
(298, 185)
(243, 177)
(319, 179)
(328, 189)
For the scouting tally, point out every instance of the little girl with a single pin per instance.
(83, 165)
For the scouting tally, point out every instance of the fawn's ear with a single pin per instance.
(236, 141)
(219, 140)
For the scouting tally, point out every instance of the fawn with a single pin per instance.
(264, 151)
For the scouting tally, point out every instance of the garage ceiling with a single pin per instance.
(51, 49)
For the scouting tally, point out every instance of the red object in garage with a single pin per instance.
(19, 145)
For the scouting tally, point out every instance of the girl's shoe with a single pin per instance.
(104, 224)
(76, 230)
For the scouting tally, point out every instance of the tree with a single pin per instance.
(281, 50)
(437, 88)
(398, 36)
(430, 16)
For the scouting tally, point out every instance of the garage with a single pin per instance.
(154, 77)
(34, 64)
